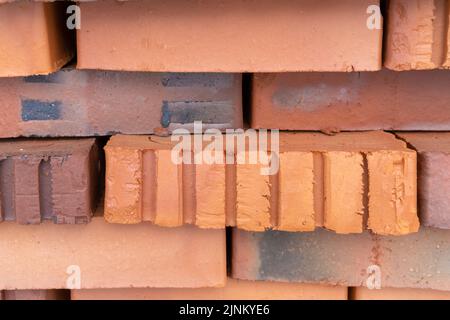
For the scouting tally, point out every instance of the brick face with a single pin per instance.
(48, 180)
(376, 168)
(237, 39)
(330, 102)
(397, 294)
(111, 256)
(33, 38)
(417, 260)
(89, 103)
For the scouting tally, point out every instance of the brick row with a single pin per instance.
(418, 260)
(48, 180)
(333, 102)
(101, 255)
(417, 35)
(362, 293)
(233, 290)
(89, 103)
(344, 183)
(34, 295)
(151, 36)
(34, 38)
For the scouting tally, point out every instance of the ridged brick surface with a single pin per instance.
(333, 181)
(48, 180)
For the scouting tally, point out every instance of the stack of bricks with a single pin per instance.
(346, 102)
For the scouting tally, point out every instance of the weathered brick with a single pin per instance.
(418, 260)
(48, 180)
(110, 256)
(151, 36)
(362, 293)
(433, 151)
(332, 102)
(377, 170)
(34, 38)
(234, 290)
(36, 295)
(87, 103)
(417, 35)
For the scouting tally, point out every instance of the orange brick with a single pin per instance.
(417, 35)
(234, 290)
(110, 256)
(34, 38)
(151, 36)
(362, 293)
(377, 170)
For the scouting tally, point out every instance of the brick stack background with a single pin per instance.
(87, 181)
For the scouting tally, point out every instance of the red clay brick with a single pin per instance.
(234, 290)
(87, 103)
(152, 36)
(417, 35)
(331, 102)
(48, 180)
(110, 256)
(433, 150)
(34, 38)
(378, 171)
(418, 260)
(362, 293)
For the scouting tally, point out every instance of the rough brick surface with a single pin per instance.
(386, 100)
(362, 293)
(433, 150)
(35, 295)
(48, 180)
(417, 35)
(86, 103)
(110, 256)
(151, 36)
(333, 181)
(418, 260)
(234, 290)
(33, 38)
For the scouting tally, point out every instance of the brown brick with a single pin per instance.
(88, 103)
(36, 295)
(234, 290)
(416, 260)
(332, 102)
(34, 38)
(306, 192)
(110, 256)
(138, 35)
(48, 180)
(417, 35)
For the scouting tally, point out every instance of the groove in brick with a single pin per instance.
(45, 190)
(7, 186)
(148, 185)
(319, 194)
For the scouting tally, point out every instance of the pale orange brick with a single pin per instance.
(362, 293)
(234, 290)
(344, 191)
(295, 192)
(393, 192)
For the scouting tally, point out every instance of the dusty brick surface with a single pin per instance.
(333, 181)
(48, 180)
(329, 102)
(234, 290)
(144, 36)
(417, 260)
(87, 103)
(35, 295)
(362, 293)
(110, 256)
(433, 150)
(33, 38)
(417, 35)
